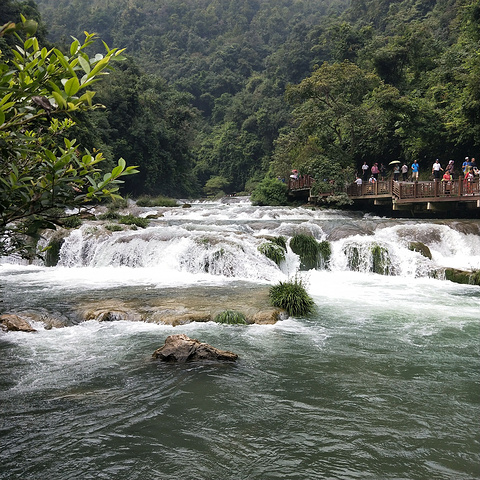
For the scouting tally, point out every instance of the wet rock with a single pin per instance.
(182, 349)
(463, 277)
(14, 323)
(420, 248)
(269, 317)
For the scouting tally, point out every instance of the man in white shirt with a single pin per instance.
(436, 168)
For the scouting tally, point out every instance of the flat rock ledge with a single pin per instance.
(13, 323)
(182, 349)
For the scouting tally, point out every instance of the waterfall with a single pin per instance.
(223, 240)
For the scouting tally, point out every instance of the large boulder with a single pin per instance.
(182, 349)
(14, 323)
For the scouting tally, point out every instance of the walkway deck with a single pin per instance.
(401, 194)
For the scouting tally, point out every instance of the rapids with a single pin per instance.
(381, 382)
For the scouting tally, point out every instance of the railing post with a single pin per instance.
(460, 187)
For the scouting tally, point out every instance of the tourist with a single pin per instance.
(468, 181)
(375, 171)
(447, 182)
(383, 171)
(465, 165)
(365, 169)
(450, 168)
(415, 167)
(436, 169)
(396, 172)
(372, 179)
(358, 181)
(404, 172)
(473, 164)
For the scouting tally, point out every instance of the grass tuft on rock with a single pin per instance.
(132, 220)
(308, 249)
(292, 297)
(159, 201)
(231, 317)
(272, 251)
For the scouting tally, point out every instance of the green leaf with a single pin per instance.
(72, 86)
(61, 102)
(74, 47)
(85, 64)
(2, 117)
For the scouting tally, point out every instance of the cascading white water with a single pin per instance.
(223, 240)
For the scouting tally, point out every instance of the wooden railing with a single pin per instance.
(438, 189)
(303, 182)
(382, 187)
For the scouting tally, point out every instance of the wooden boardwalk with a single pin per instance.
(399, 194)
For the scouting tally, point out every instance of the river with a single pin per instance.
(382, 382)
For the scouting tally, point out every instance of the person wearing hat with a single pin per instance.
(465, 165)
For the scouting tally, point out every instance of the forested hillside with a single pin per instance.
(227, 91)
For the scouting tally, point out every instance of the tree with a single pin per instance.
(42, 171)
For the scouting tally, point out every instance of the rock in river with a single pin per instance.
(182, 349)
(14, 323)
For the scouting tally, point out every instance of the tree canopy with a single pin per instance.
(42, 169)
(243, 78)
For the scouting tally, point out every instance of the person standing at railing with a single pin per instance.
(396, 172)
(450, 168)
(365, 169)
(383, 171)
(404, 172)
(436, 168)
(375, 170)
(415, 168)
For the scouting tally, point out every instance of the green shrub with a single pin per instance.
(216, 186)
(308, 249)
(293, 297)
(113, 227)
(131, 220)
(270, 191)
(72, 222)
(160, 201)
(231, 317)
(272, 251)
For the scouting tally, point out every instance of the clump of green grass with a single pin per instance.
(160, 201)
(109, 215)
(113, 227)
(308, 249)
(280, 241)
(231, 317)
(132, 220)
(272, 251)
(292, 297)
(72, 222)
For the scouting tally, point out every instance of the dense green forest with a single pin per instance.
(219, 94)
